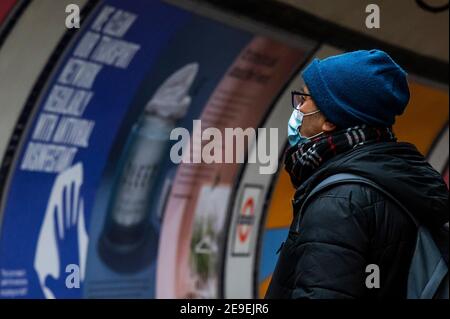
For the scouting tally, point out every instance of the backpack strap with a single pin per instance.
(428, 272)
(346, 178)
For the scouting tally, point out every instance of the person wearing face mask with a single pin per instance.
(342, 123)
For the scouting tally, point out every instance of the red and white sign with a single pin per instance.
(245, 222)
(5, 7)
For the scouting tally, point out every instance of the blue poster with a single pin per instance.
(47, 216)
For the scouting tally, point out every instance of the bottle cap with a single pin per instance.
(171, 99)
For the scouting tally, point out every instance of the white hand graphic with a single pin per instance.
(63, 223)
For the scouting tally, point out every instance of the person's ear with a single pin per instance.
(328, 126)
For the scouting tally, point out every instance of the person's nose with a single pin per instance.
(302, 107)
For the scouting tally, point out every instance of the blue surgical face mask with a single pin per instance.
(294, 124)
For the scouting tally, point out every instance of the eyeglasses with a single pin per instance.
(298, 98)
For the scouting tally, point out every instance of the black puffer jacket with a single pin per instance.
(347, 227)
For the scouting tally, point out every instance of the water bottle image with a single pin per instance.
(128, 239)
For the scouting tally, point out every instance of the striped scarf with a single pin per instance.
(302, 160)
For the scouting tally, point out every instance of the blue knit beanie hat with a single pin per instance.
(360, 87)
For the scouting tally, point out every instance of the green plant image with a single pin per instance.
(203, 257)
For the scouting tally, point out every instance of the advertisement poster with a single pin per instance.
(45, 238)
